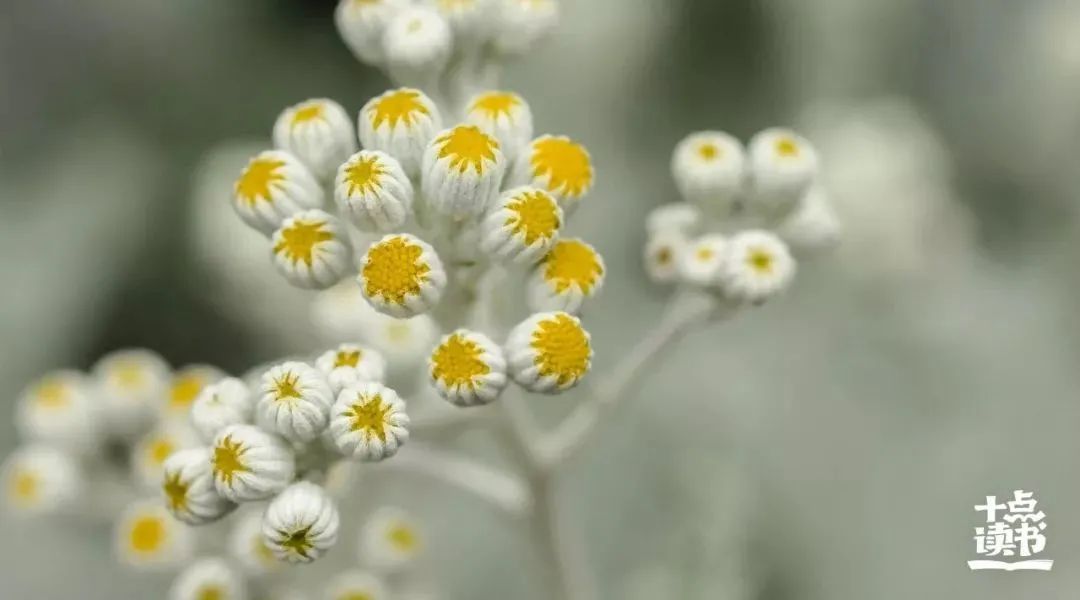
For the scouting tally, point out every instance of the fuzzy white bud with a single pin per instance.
(549, 352)
(373, 192)
(462, 172)
(368, 422)
(758, 267)
(402, 276)
(40, 480)
(274, 186)
(351, 363)
(294, 401)
(569, 275)
(209, 578)
(401, 123)
(506, 117)
(362, 25)
(467, 369)
(301, 524)
(187, 484)
(250, 464)
(783, 166)
(61, 410)
(311, 250)
(522, 226)
(417, 45)
(319, 132)
(709, 169)
(227, 402)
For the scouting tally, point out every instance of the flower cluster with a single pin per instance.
(746, 214)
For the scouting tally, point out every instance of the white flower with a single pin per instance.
(400, 123)
(311, 250)
(681, 218)
(150, 452)
(471, 21)
(301, 523)
(319, 132)
(813, 227)
(709, 169)
(209, 579)
(557, 165)
(549, 352)
(522, 24)
(146, 536)
(373, 191)
(61, 410)
(294, 401)
(390, 540)
(462, 172)
(187, 484)
(185, 386)
(522, 226)
(467, 369)
(341, 477)
(702, 260)
(248, 546)
(226, 402)
(571, 273)
(401, 276)
(250, 464)
(39, 480)
(505, 116)
(417, 45)
(351, 363)
(368, 422)
(663, 251)
(356, 585)
(131, 385)
(758, 266)
(272, 187)
(362, 24)
(783, 166)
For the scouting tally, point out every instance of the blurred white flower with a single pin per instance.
(523, 24)
(150, 452)
(356, 585)
(681, 218)
(351, 363)
(702, 260)
(185, 386)
(390, 540)
(132, 385)
(319, 132)
(209, 579)
(39, 480)
(60, 409)
(146, 536)
(709, 169)
(362, 25)
(663, 252)
(227, 402)
(757, 267)
(248, 546)
(783, 166)
(417, 45)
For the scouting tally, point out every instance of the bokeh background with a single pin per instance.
(829, 446)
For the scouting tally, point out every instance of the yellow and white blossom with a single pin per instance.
(311, 250)
(131, 385)
(146, 536)
(185, 386)
(417, 45)
(220, 404)
(61, 410)
(319, 132)
(758, 267)
(150, 452)
(301, 524)
(709, 169)
(504, 115)
(571, 273)
(402, 276)
(356, 584)
(467, 369)
(187, 485)
(390, 540)
(41, 480)
(702, 260)
(368, 422)
(373, 192)
(463, 170)
(250, 464)
(558, 165)
(783, 166)
(680, 218)
(401, 123)
(294, 401)
(522, 226)
(549, 352)
(351, 363)
(522, 24)
(209, 579)
(273, 186)
(248, 546)
(663, 251)
(362, 25)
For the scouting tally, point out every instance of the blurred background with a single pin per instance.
(829, 446)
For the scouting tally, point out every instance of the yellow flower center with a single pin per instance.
(402, 537)
(369, 416)
(286, 387)
(457, 362)
(127, 374)
(393, 270)
(663, 256)
(298, 542)
(147, 534)
(364, 175)
(562, 348)
(25, 488)
(159, 450)
(299, 240)
(51, 393)
(534, 217)
(184, 391)
(210, 592)
(705, 254)
(787, 147)
(347, 358)
(257, 180)
(398, 332)
(761, 261)
(467, 147)
(572, 263)
(307, 113)
(176, 492)
(708, 151)
(565, 164)
(494, 104)
(401, 106)
(227, 460)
